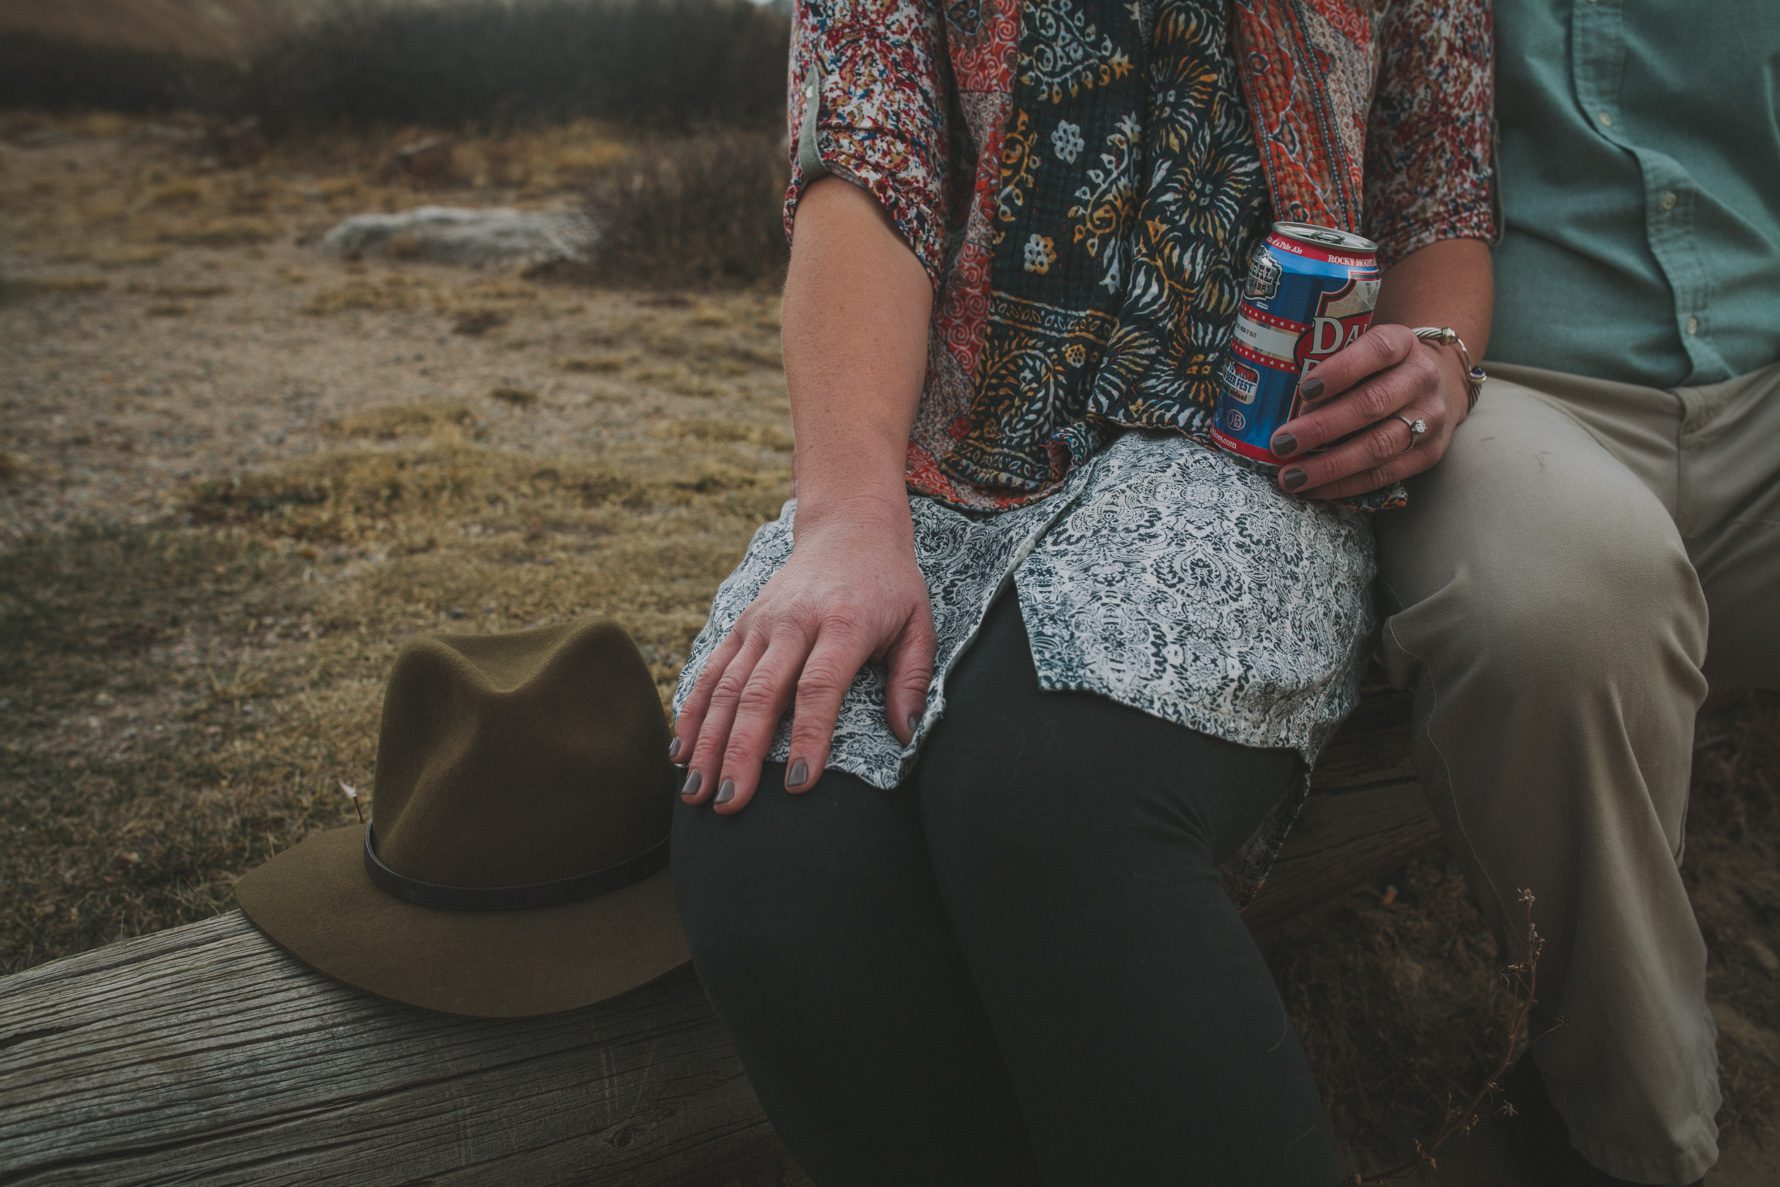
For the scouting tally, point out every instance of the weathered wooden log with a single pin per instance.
(206, 1054)
(1366, 816)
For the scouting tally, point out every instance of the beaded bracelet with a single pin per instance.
(1474, 376)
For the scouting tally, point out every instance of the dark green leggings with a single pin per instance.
(1019, 965)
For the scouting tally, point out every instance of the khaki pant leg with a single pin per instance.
(1729, 511)
(1552, 629)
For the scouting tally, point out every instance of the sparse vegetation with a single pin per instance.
(701, 209)
(185, 683)
(657, 63)
(63, 74)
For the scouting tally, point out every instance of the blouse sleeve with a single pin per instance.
(1431, 131)
(867, 101)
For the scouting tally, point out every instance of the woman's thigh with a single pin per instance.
(1075, 842)
(817, 933)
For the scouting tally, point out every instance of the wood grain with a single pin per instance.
(206, 1054)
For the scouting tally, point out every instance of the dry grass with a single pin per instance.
(224, 231)
(183, 691)
(390, 421)
(60, 284)
(1395, 995)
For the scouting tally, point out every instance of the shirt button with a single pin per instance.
(1605, 118)
(1693, 326)
(1668, 200)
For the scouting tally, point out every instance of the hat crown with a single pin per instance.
(522, 757)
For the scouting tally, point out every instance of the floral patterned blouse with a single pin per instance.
(1085, 297)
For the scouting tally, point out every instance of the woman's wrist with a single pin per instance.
(1454, 391)
(876, 513)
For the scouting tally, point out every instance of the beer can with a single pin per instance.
(1310, 291)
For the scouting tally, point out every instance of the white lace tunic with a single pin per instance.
(1161, 573)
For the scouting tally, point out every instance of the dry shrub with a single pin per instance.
(47, 72)
(703, 209)
(663, 63)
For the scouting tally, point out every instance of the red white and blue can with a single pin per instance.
(1310, 292)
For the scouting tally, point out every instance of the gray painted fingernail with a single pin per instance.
(800, 770)
(1311, 388)
(673, 750)
(690, 788)
(725, 791)
(914, 722)
(1284, 443)
(1292, 479)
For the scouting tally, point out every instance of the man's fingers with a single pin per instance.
(759, 705)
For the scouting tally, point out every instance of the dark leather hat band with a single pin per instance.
(499, 898)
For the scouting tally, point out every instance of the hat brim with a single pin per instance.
(315, 900)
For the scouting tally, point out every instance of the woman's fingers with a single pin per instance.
(711, 706)
(1362, 403)
(910, 672)
(692, 709)
(839, 651)
(760, 701)
(1378, 349)
(1371, 460)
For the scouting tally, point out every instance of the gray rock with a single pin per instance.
(454, 235)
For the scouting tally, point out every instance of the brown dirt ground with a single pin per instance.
(235, 475)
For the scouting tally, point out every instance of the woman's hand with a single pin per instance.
(1355, 397)
(850, 592)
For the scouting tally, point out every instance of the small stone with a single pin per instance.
(456, 612)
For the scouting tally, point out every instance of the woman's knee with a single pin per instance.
(775, 892)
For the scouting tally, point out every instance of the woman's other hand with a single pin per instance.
(1360, 400)
(850, 592)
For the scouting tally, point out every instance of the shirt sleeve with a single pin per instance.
(1431, 130)
(867, 101)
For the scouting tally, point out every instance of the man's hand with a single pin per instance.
(1355, 397)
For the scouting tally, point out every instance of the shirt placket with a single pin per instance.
(1597, 49)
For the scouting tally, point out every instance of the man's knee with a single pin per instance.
(1574, 600)
(1611, 604)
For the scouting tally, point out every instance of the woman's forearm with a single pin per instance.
(1447, 283)
(855, 323)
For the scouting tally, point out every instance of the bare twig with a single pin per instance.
(1522, 978)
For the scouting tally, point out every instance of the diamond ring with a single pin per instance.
(1417, 427)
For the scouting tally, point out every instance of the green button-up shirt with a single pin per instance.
(1640, 180)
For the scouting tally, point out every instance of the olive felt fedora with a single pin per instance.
(516, 859)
